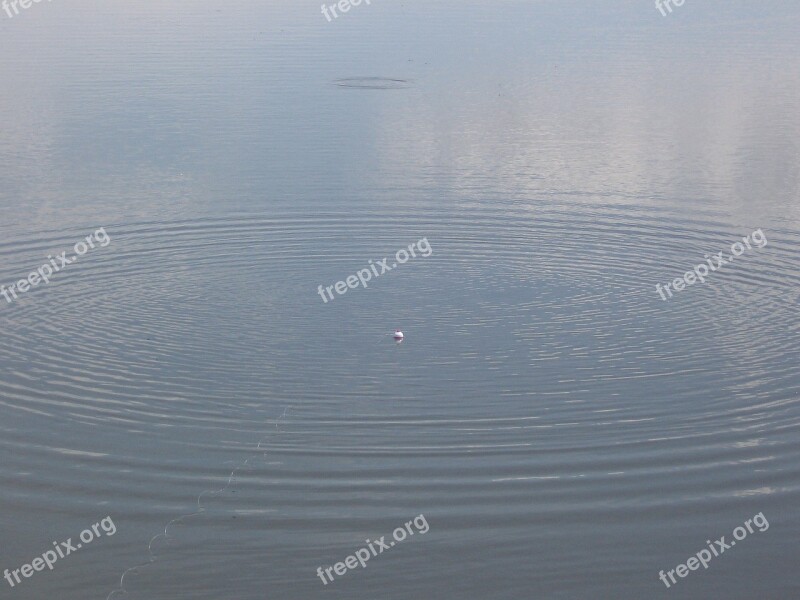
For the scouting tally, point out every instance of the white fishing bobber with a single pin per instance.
(398, 335)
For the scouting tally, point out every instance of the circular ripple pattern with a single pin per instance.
(174, 321)
(539, 363)
(373, 83)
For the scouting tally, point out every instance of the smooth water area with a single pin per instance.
(565, 432)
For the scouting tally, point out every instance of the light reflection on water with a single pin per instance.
(564, 431)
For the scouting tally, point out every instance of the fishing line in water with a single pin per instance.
(200, 509)
(397, 335)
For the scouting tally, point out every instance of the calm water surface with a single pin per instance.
(565, 432)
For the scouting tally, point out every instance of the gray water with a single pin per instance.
(565, 432)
